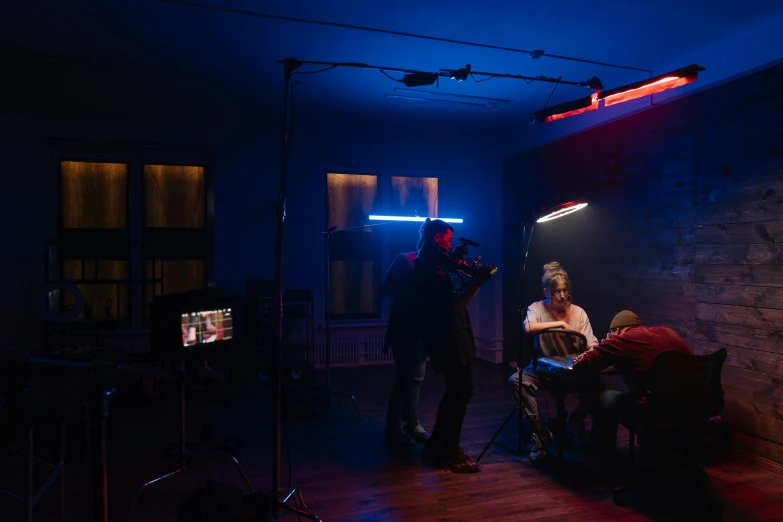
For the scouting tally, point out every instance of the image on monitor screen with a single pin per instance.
(207, 326)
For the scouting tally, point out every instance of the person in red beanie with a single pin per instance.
(631, 348)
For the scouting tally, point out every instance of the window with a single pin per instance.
(129, 231)
(94, 212)
(410, 197)
(357, 256)
(174, 233)
(94, 195)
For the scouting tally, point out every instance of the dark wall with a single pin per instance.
(684, 227)
(51, 103)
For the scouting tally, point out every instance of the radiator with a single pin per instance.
(356, 347)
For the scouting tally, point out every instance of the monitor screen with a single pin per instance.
(207, 326)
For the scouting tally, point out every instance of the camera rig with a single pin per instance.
(464, 271)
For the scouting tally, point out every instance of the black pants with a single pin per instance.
(410, 359)
(453, 405)
(613, 407)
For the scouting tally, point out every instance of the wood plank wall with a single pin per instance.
(685, 227)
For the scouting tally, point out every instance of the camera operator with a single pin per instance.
(443, 322)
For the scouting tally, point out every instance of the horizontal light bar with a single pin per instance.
(564, 110)
(652, 86)
(412, 218)
(632, 91)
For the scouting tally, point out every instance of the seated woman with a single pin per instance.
(555, 311)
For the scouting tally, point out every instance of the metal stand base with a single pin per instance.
(32, 496)
(266, 505)
(181, 470)
(295, 494)
(355, 404)
(521, 416)
(183, 456)
(520, 436)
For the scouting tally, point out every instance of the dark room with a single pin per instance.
(402, 261)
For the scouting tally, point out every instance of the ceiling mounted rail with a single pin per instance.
(415, 78)
(533, 54)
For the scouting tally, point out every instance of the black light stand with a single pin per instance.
(277, 501)
(518, 407)
(535, 217)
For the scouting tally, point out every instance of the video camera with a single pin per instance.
(457, 262)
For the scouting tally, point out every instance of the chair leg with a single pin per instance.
(619, 491)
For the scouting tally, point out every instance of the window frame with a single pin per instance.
(384, 187)
(135, 156)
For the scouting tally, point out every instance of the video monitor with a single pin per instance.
(193, 321)
(206, 326)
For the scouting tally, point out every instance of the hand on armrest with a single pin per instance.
(534, 328)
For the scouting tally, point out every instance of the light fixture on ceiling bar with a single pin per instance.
(419, 79)
(412, 218)
(651, 86)
(414, 78)
(632, 91)
(529, 222)
(564, 110)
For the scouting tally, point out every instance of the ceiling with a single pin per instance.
(224, 42)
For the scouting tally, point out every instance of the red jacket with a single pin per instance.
(631, 353)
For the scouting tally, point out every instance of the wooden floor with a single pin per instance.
(348, 474)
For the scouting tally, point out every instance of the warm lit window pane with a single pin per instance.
(104, 287)
(357, 282)
(174, 196)
(93, 195)
(172, 277)
(356, 254)
(351, 198)
(414, 196)
(410, 197)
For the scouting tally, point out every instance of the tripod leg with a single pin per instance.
(282, 504)
(492, 440)
(242, 472)
(355, 404)
(135, 499)
(520, 425)
(519, 408)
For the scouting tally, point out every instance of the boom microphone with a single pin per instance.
(467, 242)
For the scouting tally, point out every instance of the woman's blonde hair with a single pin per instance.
(553, 274)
